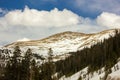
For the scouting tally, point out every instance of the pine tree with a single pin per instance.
(34, 71)
(51, 65)
(29, 69)
(47, 70)
(13, 66)
(26, 63)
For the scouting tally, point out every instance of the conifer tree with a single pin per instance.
(34, 71)
(26, 63)
(47, 69)
(13, 66)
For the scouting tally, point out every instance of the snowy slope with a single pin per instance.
(63, 43)
(24, 39)
(115, 75)
(76, 76)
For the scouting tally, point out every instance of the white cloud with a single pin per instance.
(109, 20)
(34, 18)
(3, 11)
(35, 24)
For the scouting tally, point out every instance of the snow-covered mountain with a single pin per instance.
(63, 43)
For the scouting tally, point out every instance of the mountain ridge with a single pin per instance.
(66, 34)
(63, 43)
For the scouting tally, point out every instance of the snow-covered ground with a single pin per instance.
(115, 75)
(24, 39)
(76, 75)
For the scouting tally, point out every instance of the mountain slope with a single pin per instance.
(63, 43)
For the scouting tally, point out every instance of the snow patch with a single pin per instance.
(24, 39)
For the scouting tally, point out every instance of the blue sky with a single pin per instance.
(85, 8)
(36, 19)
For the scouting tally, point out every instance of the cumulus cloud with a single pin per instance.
(35, 24)
(35, 18)
(109, 20)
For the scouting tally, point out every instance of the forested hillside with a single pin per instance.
(103, 54)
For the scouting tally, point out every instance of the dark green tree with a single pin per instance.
(47, 70)
(14, 65)
(26, 63)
